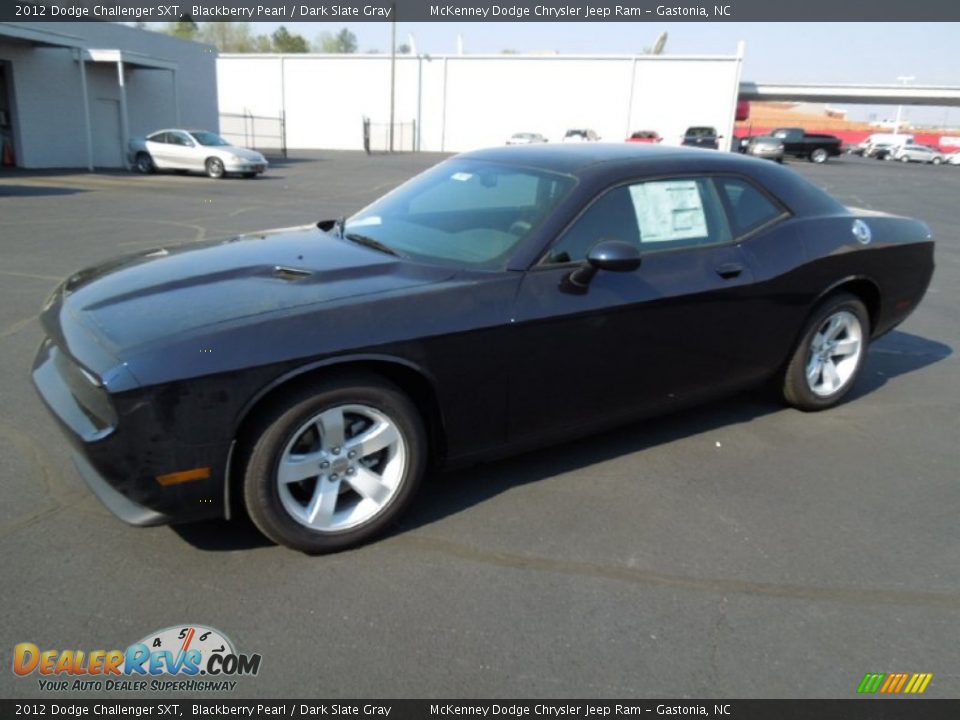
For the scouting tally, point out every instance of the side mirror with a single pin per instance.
(607, 254)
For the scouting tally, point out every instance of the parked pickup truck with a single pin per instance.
(816, 148)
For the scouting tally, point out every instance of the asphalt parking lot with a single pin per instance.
(741, 549)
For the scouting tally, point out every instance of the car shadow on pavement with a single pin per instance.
(448, 493)
(895, 354)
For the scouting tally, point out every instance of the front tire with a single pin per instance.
(214, 168)
(819, 156)
(829, 355)
(334, 464)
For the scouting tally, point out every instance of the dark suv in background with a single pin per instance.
(702, 137)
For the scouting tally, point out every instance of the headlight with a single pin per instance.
(49, 302)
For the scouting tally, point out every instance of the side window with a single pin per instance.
(610, 216)
(749, 208)
(657, 215)
(676, 213)
(158, 138)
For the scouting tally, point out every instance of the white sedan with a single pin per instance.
(525, 138)
(197, 150)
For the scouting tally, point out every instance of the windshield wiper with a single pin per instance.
(369, 242)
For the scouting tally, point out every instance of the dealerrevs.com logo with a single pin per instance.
(185, 658)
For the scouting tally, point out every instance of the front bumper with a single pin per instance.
(116, 502)
(768, 153)
(125, 449)
(245, 166)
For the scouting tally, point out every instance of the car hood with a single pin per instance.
(239, 152)
(136, 300)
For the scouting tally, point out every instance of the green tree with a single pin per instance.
(286, 42)
(184, 28)
(229, 36)
(343, 42)
(263, 44)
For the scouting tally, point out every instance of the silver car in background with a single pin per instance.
(912, 152)
(196, 150)
(765, 146)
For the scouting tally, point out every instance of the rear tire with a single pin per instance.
(904, 159)
(829, 355)
(143, 163)
(334, 464)
(819, 156)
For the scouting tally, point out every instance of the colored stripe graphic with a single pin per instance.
(923, 679)
(889, 682)
(894, 683)
(871, 682)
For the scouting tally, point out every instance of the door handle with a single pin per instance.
(728, 271)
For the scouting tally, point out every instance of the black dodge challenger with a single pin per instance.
(504, 299)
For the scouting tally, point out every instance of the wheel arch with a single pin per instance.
(861, 286)
(409, 377)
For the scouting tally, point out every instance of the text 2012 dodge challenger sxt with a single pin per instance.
(503, 299)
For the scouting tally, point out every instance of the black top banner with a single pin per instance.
(902, 709)
(293, 11)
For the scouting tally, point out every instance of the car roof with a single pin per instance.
(186, 130)
(599, 164)
(575, 158)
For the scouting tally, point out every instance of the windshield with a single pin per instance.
(465, 213)
(208, 138)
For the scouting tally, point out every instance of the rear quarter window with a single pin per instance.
(749, 208)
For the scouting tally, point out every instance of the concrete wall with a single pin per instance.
(471, 101)
(47, 102)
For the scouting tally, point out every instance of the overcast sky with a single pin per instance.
(785, 52)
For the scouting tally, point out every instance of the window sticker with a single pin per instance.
(668, 210)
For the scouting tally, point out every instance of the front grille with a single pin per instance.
(75, 395)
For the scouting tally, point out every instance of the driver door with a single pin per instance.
(631, 342)
(183, 152)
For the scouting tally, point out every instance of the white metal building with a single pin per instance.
(72, 94)
(461, 102)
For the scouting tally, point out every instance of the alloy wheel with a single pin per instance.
(834, 354)
(341, 468)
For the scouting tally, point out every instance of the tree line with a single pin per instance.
(237, 37)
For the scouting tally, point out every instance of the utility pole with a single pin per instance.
(896, 125)
(393, 67)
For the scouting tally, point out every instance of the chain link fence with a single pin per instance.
(264, 133)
